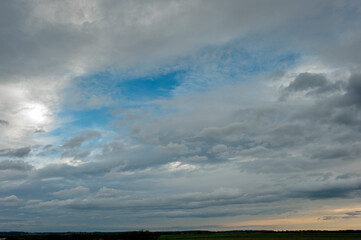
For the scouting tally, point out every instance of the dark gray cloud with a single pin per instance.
(87, 169)
(173, 148)
(112, 147)
(354, 214)
(48, 150)
(76, 154)
(187, 201)
(353, 94)
(79, 140)
(312, 84)
(74, 142)
(326, 218)
(340, 152)
(307, 81)
(71, 192)
(217, 203)
(348, 175)
(14, 170)
(224, 131)
(346, 215)
(15, 152)
(340, 108)
(3, 122)
(343, 191)
(18, 165)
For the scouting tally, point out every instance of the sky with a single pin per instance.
(180, 115)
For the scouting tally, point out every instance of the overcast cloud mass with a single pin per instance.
(172, 115)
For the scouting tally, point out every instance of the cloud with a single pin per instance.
(217, 143)
(173, 148)
(225, 131)
(346, 215)
(306, 81)
(349, 175)
(79, 140)
(14, 170)
(326, 218)
(179, 166)
(18, 165)
(48, 149)
(10, 200)
(72, 192)
(312, 84)
(194, 159)
(353, 94)
(3, 122)
(93, 134)
(341, 108)
(105, 192)
(345, 50)
(74, 142)
(15, 152)
(76, 154)
(112, 148)
(354, 214)
(219, 148)
(82, 25)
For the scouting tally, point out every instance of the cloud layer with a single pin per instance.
(123, 115)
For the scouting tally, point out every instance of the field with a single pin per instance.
(264, 235)
(190, 235)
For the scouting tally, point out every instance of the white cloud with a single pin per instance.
(178, 166)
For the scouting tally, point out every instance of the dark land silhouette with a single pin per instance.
(186, 235)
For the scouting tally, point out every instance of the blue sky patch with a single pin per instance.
(147, 88)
